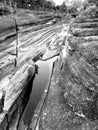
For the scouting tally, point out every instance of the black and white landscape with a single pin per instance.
(48, 65)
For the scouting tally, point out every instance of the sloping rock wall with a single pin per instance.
(80, 76)
(15, 99)
(72, 103)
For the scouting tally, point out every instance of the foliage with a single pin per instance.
(63, 8)
(45, 5)
(93, 1)
(73, 11)
(35, 4)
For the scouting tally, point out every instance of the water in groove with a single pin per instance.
(38, 87)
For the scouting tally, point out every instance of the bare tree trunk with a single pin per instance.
(10, 3)
(5, 2)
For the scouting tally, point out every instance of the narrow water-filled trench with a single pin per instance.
(40, 82)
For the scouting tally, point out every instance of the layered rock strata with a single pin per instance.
(75, 107)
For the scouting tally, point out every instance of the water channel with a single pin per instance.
(40, 82)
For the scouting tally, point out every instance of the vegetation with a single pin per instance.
(93, 2)
(43, 5)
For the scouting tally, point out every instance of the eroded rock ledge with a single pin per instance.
(15, 87)
(72, 103)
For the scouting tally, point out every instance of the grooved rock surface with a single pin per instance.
(14, 88)
(15, 72)
(72, 103)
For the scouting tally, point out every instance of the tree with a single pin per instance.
(63, 8)
(34, 4)
(50, 5)
(93, 2)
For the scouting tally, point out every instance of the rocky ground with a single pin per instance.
(72, 102)
(33, 41)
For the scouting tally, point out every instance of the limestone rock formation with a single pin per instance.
(72, 103)
(80, 74)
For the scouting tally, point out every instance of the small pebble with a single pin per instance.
(45, 91)
(45, 114)
(35, 115)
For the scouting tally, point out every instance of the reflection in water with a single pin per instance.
(39, 85)
(18, 107)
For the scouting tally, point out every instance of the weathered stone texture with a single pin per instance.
(75, 106)
(81, 69)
